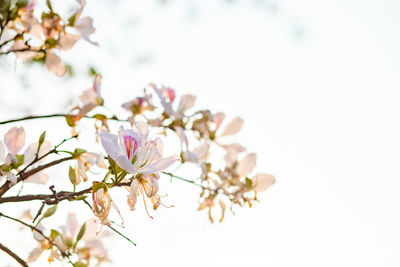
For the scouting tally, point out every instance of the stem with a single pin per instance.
(23, 176)
(47, 199)
(12, 254)
(109, 226)
(182, 179)
(55, 115)
(33, 228)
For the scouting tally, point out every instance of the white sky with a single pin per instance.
(322, 112)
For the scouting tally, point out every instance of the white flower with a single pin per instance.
(133, 152)
(90, 98)
(15, 139)
(85, 161)
(167, 97)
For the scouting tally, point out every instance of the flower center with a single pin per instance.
(130, 146)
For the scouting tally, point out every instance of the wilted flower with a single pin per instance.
(102, 203)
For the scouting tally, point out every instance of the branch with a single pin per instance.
(12, 254)
(26, 49)
(55, 115)
(38, 231)
(183, 179)
(24, 176)
(50, 199)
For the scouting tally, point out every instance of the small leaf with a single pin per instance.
(81, 232)
(48, 3)
(54, 233)
(20, 159)
(72, 19)
(49, 212)
(249, 182)
(78, 152)
(72, 175)
(70, 120)
(100, 117)
(97, 185)
(78, 198)
(79, 264)
(113, 166)
(41, 140)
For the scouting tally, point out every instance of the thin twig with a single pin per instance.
(12, 254)
(24, 176)
(182, 179)
(55, 115)
(39, 211)
(109, 226)
(33, 228)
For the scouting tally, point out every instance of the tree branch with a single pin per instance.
(50, 199)
(12, 254)
(33, 228)
(24, 175)
(55, 115)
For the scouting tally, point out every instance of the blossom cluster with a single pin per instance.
(130, 147)
(41, 38)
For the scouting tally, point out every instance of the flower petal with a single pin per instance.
(67, 41)
(110, 143)
(233, 127)
(262, 181)
(15, 139)
(54, 64)
(133, 191)
(160, 165)
(247, 164)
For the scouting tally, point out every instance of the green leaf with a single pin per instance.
(79, 264)
(41, 140)
(97, 185)
(70, 120)
(78, 198)
(113, 166)
(72, 19)
(49, 212)
(78, 152)
(81, 232)
(100, 117)
(72, 175)
(249, 182)
(20, 159)
(54, 233)
(48, 3)
(93, 71)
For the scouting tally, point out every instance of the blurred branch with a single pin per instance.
(33, 228)
(12, 254)
(33, 117)
(24, 175)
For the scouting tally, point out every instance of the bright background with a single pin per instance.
(317, 83)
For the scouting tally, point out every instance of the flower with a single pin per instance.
(137, 155)
(133, 152)
(167, 97)
(15, 139)
(90, 98)
(84, 162)
(102, 203)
